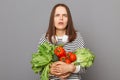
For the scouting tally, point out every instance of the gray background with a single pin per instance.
(22, 22)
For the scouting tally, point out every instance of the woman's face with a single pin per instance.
(60, 18)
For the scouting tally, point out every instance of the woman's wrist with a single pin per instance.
(72, 68)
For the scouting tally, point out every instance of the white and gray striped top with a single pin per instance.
(69, 46)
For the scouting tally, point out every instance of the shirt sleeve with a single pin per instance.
(77, 69)
(80, 44)
(42, 39)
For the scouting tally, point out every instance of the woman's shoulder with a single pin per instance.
(42, 38)
(79, 40)
(78, 34)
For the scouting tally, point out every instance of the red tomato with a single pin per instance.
(62, 59)
(67, 61)
(59, 51)
(68, 54)
(71, 56)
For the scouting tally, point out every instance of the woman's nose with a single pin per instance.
(61, 17)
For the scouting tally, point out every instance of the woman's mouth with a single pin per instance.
(61, 23)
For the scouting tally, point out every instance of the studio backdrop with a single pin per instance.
(23, 21)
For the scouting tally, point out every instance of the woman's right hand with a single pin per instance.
(63, 76)
(60, 68)
(53, 70)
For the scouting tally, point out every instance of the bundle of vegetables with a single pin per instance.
(67, 57)
(85, 57)
(42, 59)
(48, 53)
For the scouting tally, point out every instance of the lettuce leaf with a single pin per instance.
(85, 57)
(42, 58)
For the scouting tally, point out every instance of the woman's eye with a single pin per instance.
(65, 15)
(57, 15)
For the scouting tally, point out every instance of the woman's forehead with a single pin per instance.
(60, 9)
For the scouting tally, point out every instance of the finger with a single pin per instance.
(53, 64)
(54, 72)
(59, 62)
(57, 73)
(65, 75)
(54, 69)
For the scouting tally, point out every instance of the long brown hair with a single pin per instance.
(70, 31)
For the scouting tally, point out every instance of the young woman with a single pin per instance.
(61, 31)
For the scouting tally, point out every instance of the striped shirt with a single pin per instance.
(69, 47)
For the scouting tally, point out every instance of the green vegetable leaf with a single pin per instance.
(42, 59)
(45, 73)
(85, 57)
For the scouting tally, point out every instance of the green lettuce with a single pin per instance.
(42, 59)
(85, 57)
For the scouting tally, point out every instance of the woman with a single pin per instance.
(61, 31)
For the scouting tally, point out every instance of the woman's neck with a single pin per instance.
(60, 32)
